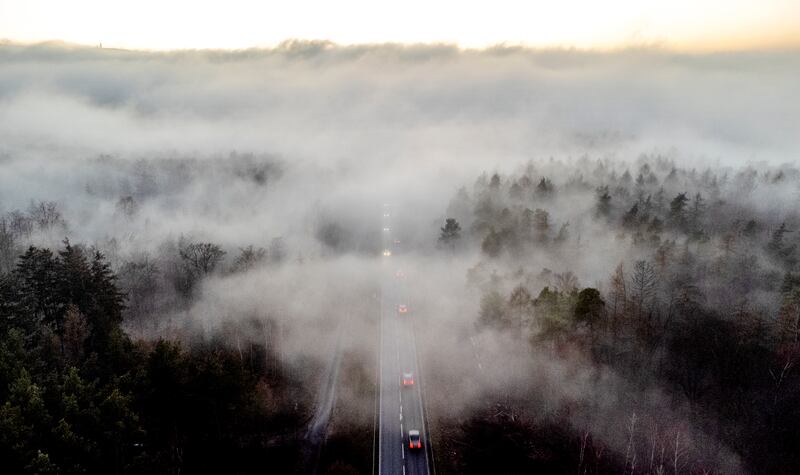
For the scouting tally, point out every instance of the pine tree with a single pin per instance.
(603, 206)
(450, 234)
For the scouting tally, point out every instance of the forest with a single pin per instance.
(201, 252)
(684, 342)
(697, 320)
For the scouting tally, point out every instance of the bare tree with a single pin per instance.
(642, 285)
(566, 282)
(127, 206)
(8, 247)
(201, 257)
(248, 258)
(140, 279)
(45, 215)
(619, 296)
(20, 224)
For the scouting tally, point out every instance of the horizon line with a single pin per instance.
(654, 46)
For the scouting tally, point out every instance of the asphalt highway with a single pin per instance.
(400, 407)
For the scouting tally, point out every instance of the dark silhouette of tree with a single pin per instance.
(563, 234)
(516, 192)
(642, 286)
(589, 308)
(249, 257)
(677, 211)
(46, 215)
(779, 250)
(494, 182)
(140, 280)
(631, 218)
(36, 278)
(201, 257)
(545, 188)
(9, 248)
(541, 225)
(127, 206)
(603, 206)
(618, 298)
(450, 234)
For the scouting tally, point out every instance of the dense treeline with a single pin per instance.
(77, 395)
(705, 307)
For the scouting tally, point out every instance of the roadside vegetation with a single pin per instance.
(702, 308)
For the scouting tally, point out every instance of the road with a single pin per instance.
(400, 409)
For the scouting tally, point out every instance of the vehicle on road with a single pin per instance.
(408, 379)
(414, 440)
(402, 309)
(387, 252)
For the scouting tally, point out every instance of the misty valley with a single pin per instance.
(398, 260)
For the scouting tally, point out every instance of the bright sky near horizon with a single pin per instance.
(175, 24)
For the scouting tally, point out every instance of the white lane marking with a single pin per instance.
(404, 470)
(419, 396)
(480, 366)
(403, 450)
(380, 380)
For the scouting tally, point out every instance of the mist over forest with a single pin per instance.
(600, 251)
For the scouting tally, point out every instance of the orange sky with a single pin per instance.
(170, 24)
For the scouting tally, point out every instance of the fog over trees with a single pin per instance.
(600, 250)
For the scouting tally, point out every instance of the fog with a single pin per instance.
(296, 150)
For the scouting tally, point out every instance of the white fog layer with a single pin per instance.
(240, 193)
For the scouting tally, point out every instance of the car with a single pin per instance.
(402, 308)
(386, 228)
(387, 252)
(414, 440)
(408, 379)
(385, 215)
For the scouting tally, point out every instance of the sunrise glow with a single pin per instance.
(154, 24)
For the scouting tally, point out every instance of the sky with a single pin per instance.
(685, 25)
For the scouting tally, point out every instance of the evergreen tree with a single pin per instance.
(589, 307)
(631, 218)
(450, 234)
(677, 211)
(603, 206)
(545, 188)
